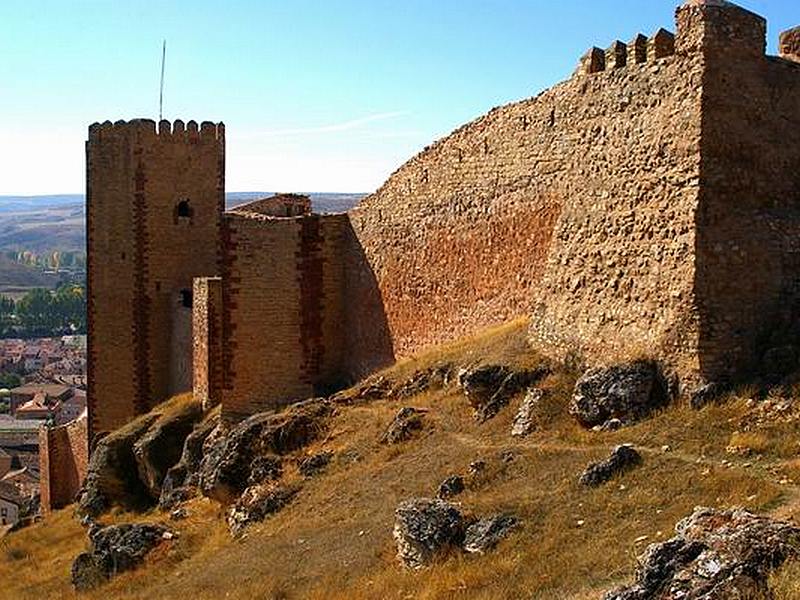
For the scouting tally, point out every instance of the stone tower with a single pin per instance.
(154, 204)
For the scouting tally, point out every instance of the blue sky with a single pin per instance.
(323, 95)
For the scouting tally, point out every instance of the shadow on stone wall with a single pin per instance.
(369, 344)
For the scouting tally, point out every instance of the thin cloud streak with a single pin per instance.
(333, 128)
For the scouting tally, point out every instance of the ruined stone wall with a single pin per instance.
(207, 341)
(576, 206)
(283, 329)
(63, 462)
(154, 206)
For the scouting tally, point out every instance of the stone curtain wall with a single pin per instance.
(747, 283)
(283, 331)
(207, 341)
(576, 206)
(63, 462)
(619, 278)
(154, 206)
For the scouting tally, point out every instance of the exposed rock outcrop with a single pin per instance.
(525, 419)
(115, 549)
(229, 461)
(113, 475)
(623, 458)
(425, 528)
(490, 388)
(407, 421)
(160, 447)
(715, 554)
(182, 479)
(627, 392)
(486, 533)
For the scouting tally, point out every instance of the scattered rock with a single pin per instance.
(707, 394)
(623, 458)
(627, 392)
(315, 464)
(490, 388)
(372, 388)
(160, 447)
(179, 514)
(87, 573)
(425, 528)
(486, 533)
(524, 421)
(508, 456)
(405, 423)
(114, 549)
(452, 486)
(112, 475)
(227, 464)
(258, 502)
(715, 554)
(477, 466)
(437, 376)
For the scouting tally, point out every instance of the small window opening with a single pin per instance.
(158, 286)
(183, 209)
(186, 298)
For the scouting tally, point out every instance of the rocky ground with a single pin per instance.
(477, 470)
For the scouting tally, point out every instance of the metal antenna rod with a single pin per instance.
(161, 92)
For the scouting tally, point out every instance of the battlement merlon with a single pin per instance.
(720, 28)
(191, 132)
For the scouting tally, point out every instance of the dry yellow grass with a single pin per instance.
(334, 541)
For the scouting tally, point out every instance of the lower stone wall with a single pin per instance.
(63, 462)
(284, 324)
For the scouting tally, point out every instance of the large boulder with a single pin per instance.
(623, 458)
(115, 549)
(425, 528)
(407, 421)
(714, 554)
(626, 392)
(486, 533)
(489, 388)
(160, 447)
(225, 471)
(113, 475)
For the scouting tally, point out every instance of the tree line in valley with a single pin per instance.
(44, 313)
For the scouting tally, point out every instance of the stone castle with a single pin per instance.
(647, 206)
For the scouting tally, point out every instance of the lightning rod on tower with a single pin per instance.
(161, 90)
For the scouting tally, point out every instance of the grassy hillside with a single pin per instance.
(335, 539)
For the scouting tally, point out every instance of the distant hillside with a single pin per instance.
(43, 224)
(16, 278)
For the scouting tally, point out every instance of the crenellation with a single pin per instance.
(616, 55)
(637, 50)
(594, 61)
(661, 45)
